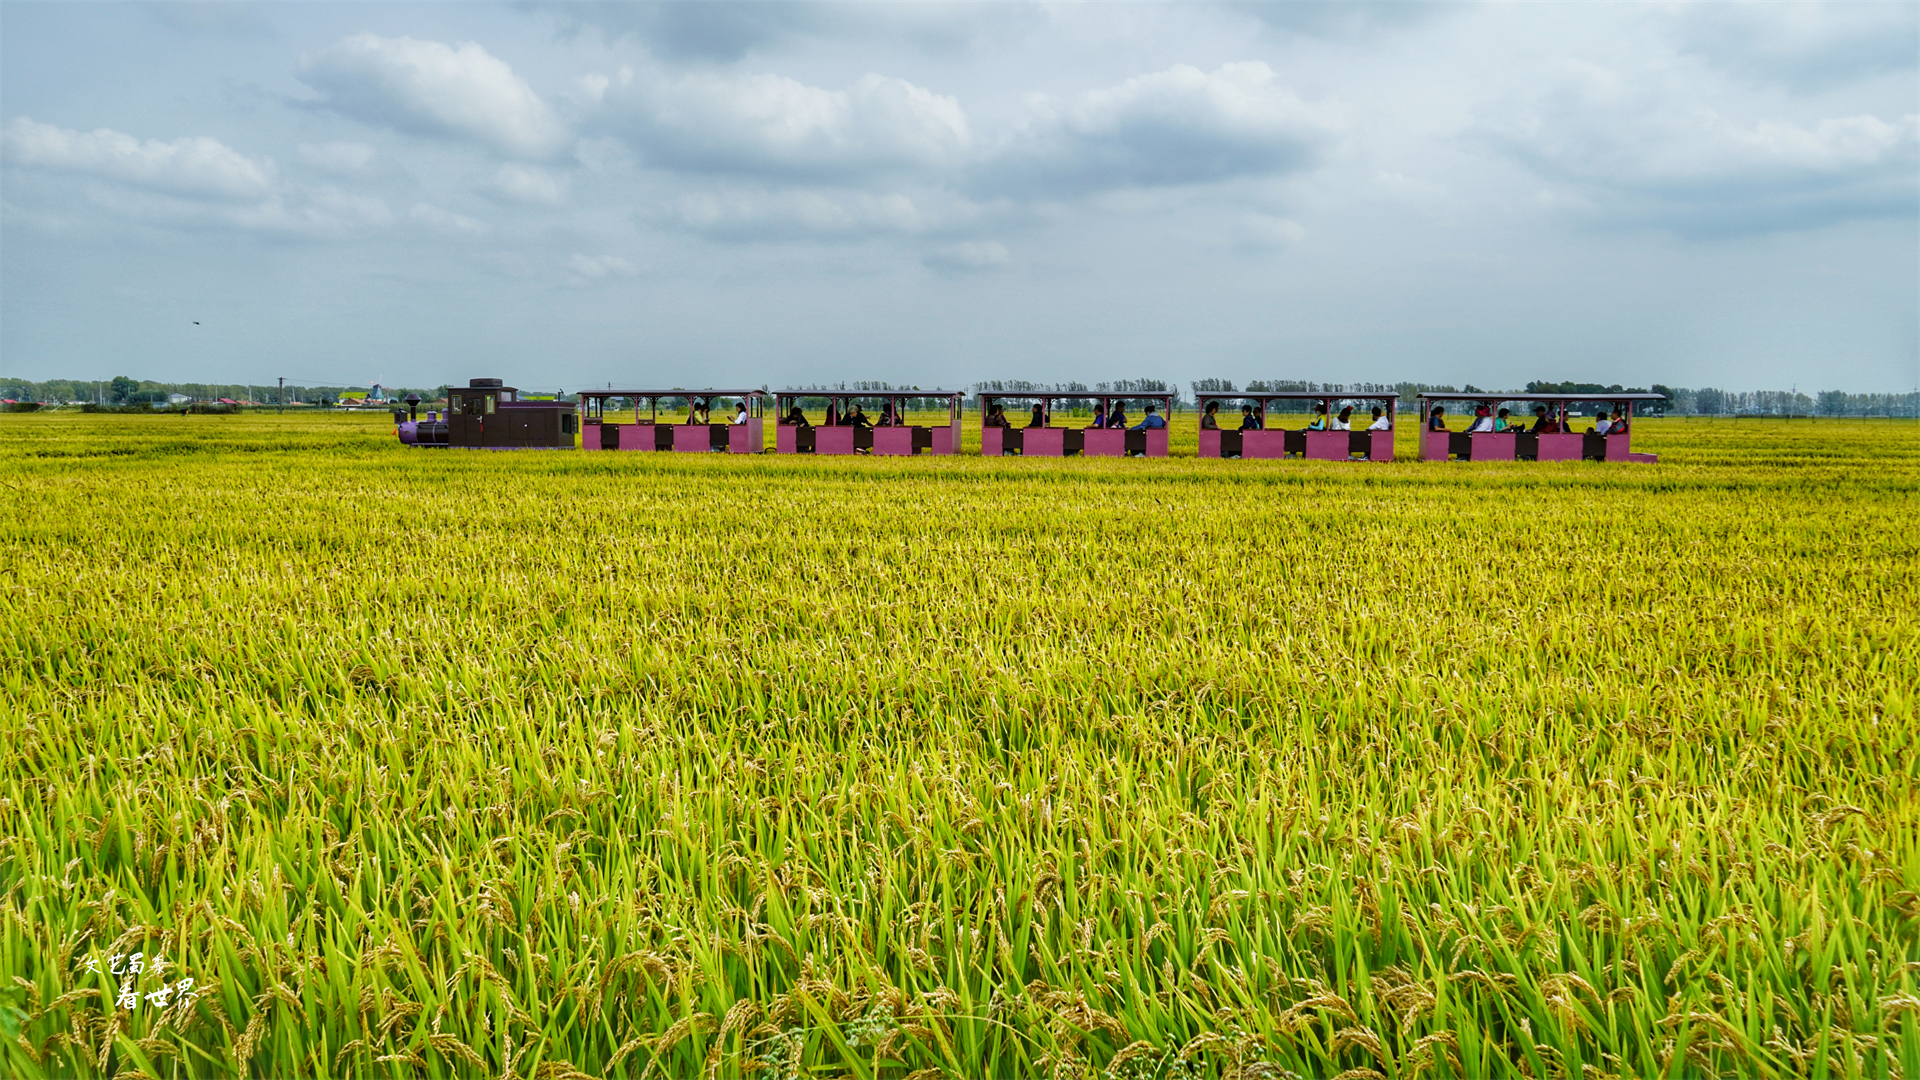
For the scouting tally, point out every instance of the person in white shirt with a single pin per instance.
(1344, 422)
(1482, 420)
(1380, 421)
(1601, 423)
(740, 414)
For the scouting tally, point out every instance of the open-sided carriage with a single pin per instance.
(1229, 439)
(630, 420)
(847, 428)
(1528, 436)
(1002, 433)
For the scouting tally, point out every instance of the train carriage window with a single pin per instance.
(567, 425)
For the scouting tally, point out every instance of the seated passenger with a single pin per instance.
(1435, 421)
(1249, 420)
(697, 411)
(1039, 418)
(1210, 419)
(995, 417)
(739, 414)
(1150, 422)
(1500, 420)
(1119, 417)
(1099, 415)
(1544, 424)
(833, 415)
(1380, 421)
(1344, 422)
(795, 418)
(1482, 420)
(887, 419)
(856, 418)
(1601, 425)
(1617, 425)
(1319, 421)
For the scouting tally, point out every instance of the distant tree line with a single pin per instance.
(124, 390)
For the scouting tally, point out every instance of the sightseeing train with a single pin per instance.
(487, 414)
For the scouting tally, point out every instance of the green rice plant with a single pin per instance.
(548, 764)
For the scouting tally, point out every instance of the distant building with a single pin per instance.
(178, 399)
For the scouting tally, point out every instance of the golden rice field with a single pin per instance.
(552, 765)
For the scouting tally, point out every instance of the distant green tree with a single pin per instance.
(121, 388)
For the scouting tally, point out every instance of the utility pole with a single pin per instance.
(281, 398)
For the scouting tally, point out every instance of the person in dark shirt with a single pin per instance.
(796, 418)
(856, 418)
(1210, 419)
(1100, 415)
(995, 417)
(1152, 421)
(1436, 420)
(1249, 420)
(1544, 424)
(1119, 417)
(1039, 418)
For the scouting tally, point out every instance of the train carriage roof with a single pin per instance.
(700, 393)
(1522, 395)
(1080, 395)
(868, 393)
(1295, 395)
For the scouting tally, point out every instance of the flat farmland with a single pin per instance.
(549, 764)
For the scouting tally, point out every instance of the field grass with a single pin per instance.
(546, 765)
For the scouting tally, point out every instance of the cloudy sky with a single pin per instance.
(773, 193)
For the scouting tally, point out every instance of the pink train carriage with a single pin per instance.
(1021, 436)
(1557, 442)
(1272, 442)
(884, 433)
(630, 420)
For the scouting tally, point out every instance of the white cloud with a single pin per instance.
(1640, 149)
(971, 255)
(446, 221)
(192, 183)
(776, 127)
(338, 158)
(429, 87)
(313, 212)
(193, 167)
(1173, 127)
(528, 184)
(595, 267)
(795, 214)
(1805, 47)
